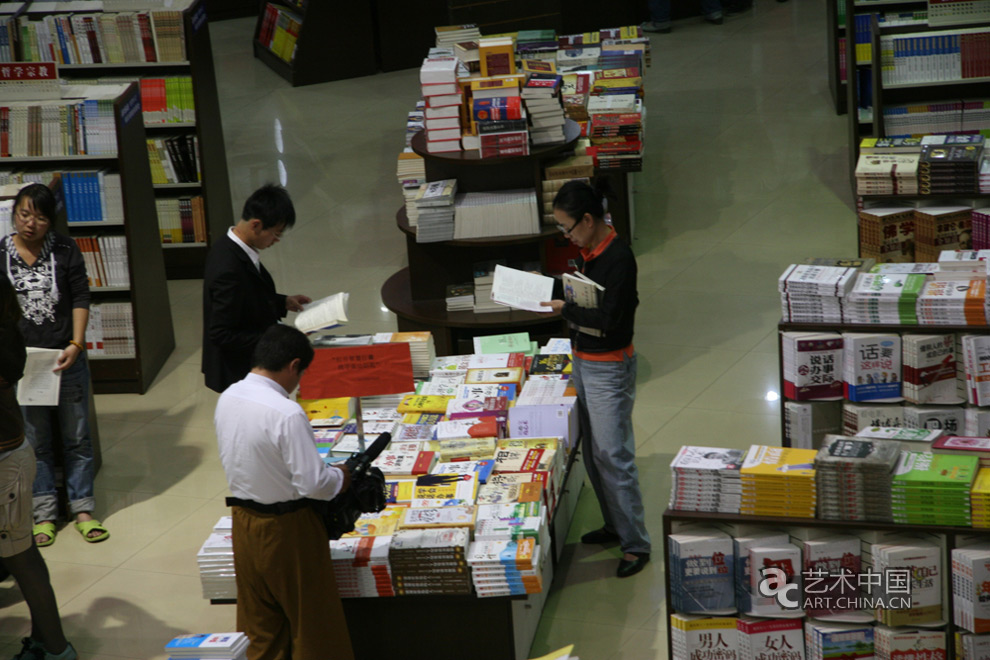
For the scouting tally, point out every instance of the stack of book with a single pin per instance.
(778, 481)
(106, 260)
(981, 221)
(448, 35)
(871, 367)
(460, 297)
(94, 133)
(938, 228)
(812, 365)
(578, 51)
(887, 174)
(496, 213)
(692, 634)
(971, 647)
(506, 567)
(574, 91)
(280, 30)
(434, 211)
(853, 478)
(110, 330)
(541, 94)
(702, 571)
(536, 44)
(825, 640)
(933, 489)
(970, 575)
(484, 277)
(361, 566)
(90, 196)
(216, 646)
(836, 559)
(216, 562)
(976, 368)
(979, 499)
(615, 129)
(422, 350)
(174, 159)
(467, 52)
(953, 303)
(887, 234)
(950, 169)
(919, 558)
(814, 294)
(895, 643)
(961, 265)
(443, 96)
(766, 638)
(984, 177)
(929, 369)
(884, 299)
(706, 479)
(181, 220)
(430, 561)
(501, 121)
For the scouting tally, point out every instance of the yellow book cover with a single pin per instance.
(399, 489)
(419, 403)
(406, 337)
(474, 449)
(422, 418)
(695, 622)
(328, 412)
(492, 84)
(498, 56)
(539, 66)
(767, 461)
(981, 485)
(446, 487)
(440, 516)
(384, 523)
(497, 376)
(529, 443)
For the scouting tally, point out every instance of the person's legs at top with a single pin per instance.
(659, 17)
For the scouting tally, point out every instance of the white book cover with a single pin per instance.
(777, 562)
(872, 367)
(856, 417)
(949, 419)
(930, 369)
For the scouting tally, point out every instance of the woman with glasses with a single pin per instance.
(604, 371)
(49, 277)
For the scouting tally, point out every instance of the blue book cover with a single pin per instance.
(702, 572)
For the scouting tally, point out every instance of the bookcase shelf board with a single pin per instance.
(116, 67)
(673, 517)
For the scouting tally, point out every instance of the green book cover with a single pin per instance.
(927, 470)
(517, 342)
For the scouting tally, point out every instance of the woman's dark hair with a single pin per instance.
(41, 198)
(280, 345)
(576, 198)
(272, 205)
(10, 308)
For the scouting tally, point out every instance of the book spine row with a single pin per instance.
(936, 57)
(110, 331)
(279, 31)
(167, 100)
(957, 116)
(57, 129)
(181, 220)
(174, 159)
(90, 196)
(106, 260)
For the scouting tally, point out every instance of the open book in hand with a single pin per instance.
(521, 290)
(583, 292)
(324, 313)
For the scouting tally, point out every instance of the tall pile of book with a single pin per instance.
(812, 365)
(216, 562)
(434, 211)
(430, 561)
(579, 168)
(976, 362)
(894, 643)
(448, 35)
(690, 633)
(706, 479)
(578, 51)
(929, 369)
(496, 213)
(953, 303)
(541, 94)
(778, 481)
(814, 294)
(853, 478)
(950, 168)
(506, 567)
(970, 574)
(979, 498)
(702, 571)
(933, 489)
(887, 174)
(615, 129)
(884, 298)
(500, 118)
(361, 566)
(443, 96)
(484, 277)
(922, 560)
(938, 228)
(216, 646)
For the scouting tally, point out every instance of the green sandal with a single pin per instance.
(86, 527)
(46, 528)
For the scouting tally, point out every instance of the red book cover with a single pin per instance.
(4, 132)
(423, 463)
(144, 22)
(94, 44)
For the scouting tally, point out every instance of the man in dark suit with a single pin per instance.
(239, 297)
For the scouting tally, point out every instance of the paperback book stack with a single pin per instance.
(929, 369)
(496, 213)
(979, 498)
(961, 265)
(953, 303)
(506, 567)
(541, 94)
(887, 234)
(215, 646)
(896, 643)
(484, 277)
(786, 557)
(361, 566)
(871, 367)
(501, 121)
(745, 537)
(706, 479)
(778, 481)
(443, 96)
(949, 169)
(853, 478)
(985, 175)
(448, 35)
(922, 560)
(933, 489)
(825, 640)
(422, 351)
(958, 445)
(430, 561)
(884, 299)
(702, 572)
(812, 365)
(460, 297)
(972, 647)
(434, 211)
(855, 417)
(976, 362)
(807, 423)
(577, 51)
(615, 129)
(410, 170)
(537, 45)
(216, 562)
(693, 634)
(814, 294)
(970, 575)
(835, 561)
(938, 228)
(981, 220)
(761, 639)
(887, 174)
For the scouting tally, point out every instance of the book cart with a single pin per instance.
(335, 40)
(148, 290)
(499, 628)
(674, 520)
(182, 260)
(872, 124)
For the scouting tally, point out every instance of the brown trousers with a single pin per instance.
(287, 599)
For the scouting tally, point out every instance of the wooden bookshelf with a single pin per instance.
(672, 519)
(336, 41)
(215, 183)
(148, 291)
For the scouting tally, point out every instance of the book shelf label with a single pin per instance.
(29, 81)
(199, 17)
(131, 109)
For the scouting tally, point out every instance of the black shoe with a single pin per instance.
(714, 21)
(629, 568)
(600, 536)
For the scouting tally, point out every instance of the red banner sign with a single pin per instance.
(358, 371)
(28, 71)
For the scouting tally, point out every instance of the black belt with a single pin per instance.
(277, 508)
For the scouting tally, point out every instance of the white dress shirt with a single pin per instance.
(267, 447)
(250, 251)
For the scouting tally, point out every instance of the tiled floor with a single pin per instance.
(745, 172)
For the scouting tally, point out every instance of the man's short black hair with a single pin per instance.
(272, 205)
(280, 345)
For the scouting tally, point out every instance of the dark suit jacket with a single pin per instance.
(239, 304)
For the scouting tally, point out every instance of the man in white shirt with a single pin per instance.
(287, 600)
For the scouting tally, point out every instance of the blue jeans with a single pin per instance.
(77, 446)
(660, 10)
(606, 392)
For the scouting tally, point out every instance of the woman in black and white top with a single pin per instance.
(49, 276)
